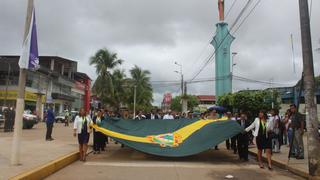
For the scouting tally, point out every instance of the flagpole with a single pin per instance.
(15, 153)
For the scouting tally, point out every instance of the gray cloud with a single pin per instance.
(154, 34)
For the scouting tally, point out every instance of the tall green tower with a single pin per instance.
(222, 42)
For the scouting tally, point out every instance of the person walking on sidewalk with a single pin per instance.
(262, 129)
(49, 123)
(6, 120)
(82, 128)
(297, 125)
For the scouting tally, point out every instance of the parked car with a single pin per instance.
(29, 120)
(61, 117)
(1, 120)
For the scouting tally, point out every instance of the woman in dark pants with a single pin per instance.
(81, 127)
(97, 136)
(262, 130)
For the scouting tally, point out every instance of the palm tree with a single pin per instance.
(104, 61)
(140, 78)
(120, 85)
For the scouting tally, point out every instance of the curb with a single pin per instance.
(283, 165)
(49, 168)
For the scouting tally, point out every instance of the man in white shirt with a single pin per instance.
(168, 115)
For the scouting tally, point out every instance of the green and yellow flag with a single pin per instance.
(173, 138)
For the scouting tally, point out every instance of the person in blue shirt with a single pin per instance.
(49, 122)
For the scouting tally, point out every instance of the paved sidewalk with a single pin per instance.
(35, 150)
(299, 166)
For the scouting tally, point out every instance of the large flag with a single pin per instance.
(173, 138)
(29, 58)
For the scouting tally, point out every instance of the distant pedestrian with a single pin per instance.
(297, 124)
(168, 115)
(152, 115)
(6, 120)
(66, 118)
(49, 123)
(12, 115)
(261, 131)
(82, 129)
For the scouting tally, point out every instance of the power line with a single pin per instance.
(236, 21)
(258, 81)
(206, 63)
(241, 13)
(251, 11)
(206, 45)
(234, 2)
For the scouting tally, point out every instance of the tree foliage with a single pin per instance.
(177, 106)
(104, 61)
(141, 79)
(250, 101)
(114, 88)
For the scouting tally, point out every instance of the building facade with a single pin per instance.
(57, 82)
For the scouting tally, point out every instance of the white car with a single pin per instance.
(29, 120)
(61, 117)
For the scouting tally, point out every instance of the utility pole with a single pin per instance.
(309, 87)
(184, 100)
(272, 93)
(15, 153)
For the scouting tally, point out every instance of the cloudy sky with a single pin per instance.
(154, 34)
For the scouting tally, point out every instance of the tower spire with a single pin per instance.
(221, 9)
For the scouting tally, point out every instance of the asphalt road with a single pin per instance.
(125, 163)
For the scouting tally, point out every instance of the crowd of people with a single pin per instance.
(270, 130)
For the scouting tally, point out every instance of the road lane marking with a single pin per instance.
(169, 165)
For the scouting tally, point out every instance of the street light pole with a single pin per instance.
(184, 100)
(232, 65)
(134, 101)
(181, 74)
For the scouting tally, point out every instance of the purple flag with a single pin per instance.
(29, 58)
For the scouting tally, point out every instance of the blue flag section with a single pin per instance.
(30, 57)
